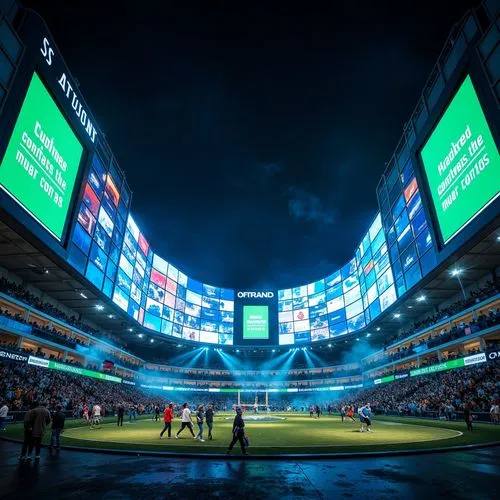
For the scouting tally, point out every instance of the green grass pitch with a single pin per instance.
(296, 434)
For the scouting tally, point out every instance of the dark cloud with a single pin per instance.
(304, 206)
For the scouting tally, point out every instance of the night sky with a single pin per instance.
(253, 138)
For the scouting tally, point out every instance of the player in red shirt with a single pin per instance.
(86, 413)
(168, 417)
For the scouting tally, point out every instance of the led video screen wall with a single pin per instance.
(41, 163)
(461, 163)
(160, 297)
(99, 229)
(343, 302)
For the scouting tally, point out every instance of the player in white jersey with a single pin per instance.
(361, 419)
(96, 415)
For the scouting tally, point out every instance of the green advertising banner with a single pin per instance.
(82, 371)
(461, 163)
(384, 380)
(41, 162)
(255, 322)
(447, 365)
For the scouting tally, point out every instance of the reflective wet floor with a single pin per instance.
(68, 474)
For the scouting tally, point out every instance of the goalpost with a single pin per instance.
(255, 406)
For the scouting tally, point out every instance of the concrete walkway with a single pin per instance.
(472, 474)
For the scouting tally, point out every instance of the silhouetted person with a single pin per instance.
(209, 419)
(58, 420)
(40, 418)
(27, 448)
(121, 414)
(238, 433)
(468, 417)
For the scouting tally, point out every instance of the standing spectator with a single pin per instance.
(4, 409)
(200, 419)
(57, 427)
(27, 448)
(311, 411)
(209, 418)
(121, 414)
(318, 411)
(40, 418)
(168, 417)
(186, 421)
(468, 417)
(157, 413)
(494, 412)
(238, 433)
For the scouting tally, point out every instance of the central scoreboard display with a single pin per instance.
(255, 317)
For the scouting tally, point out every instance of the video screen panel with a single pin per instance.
(42, 160)
(461, 163)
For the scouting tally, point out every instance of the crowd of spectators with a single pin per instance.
(20, 293)
(490, 289)
(477, 387)
(21, 384)
(444, 336)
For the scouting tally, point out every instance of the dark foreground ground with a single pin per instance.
(470, 474)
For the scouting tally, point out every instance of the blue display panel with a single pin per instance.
(343, 302)
(162, 298)
(132, 287)
(411, 249)
(99, 228)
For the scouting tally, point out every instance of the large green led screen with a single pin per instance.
(41, 162)
(461, 162)
(255, 322)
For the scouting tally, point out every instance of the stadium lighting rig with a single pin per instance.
(455, 273)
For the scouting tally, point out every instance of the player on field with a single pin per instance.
(361, 419)
(96, 415)
(86, 413)
(168, 417)
(350, 413)
(366, 412)
(342, 413)
(186, 421)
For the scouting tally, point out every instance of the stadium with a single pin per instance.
(113, 358)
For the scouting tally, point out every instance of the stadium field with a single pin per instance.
(297, 434)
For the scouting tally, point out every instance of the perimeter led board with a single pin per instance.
(41, 162)
(461, 163)
(255, 322)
